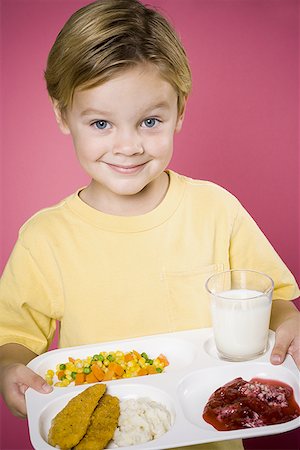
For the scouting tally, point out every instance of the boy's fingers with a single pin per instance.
(280, 349)
(287, 340)
(16, 380)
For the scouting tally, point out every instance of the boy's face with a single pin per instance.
(123, 132)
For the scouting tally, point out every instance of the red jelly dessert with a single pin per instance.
(247, 404)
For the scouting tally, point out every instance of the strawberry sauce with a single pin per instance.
(248, 404)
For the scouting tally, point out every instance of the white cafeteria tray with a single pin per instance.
(194, 373)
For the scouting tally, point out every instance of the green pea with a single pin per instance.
(144, 355)
(150, 361)
(86, 370)
(110, 358)
(73, 375)
(62, 367)
(96, 357)
(158, 370)
(100, 357)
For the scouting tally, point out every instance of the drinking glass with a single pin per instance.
(241, 308)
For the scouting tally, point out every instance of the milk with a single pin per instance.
(241, 320)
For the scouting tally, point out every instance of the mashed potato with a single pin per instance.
(141, 421)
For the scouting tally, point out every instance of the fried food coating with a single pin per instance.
(103, 423)
(69, 426)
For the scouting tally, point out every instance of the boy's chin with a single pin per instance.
(130, 191)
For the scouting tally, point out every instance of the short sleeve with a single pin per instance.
(28, 301)
(250, 249)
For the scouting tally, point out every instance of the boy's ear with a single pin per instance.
(180, 118)
(59, 117)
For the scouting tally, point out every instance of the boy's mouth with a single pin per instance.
(127, 169)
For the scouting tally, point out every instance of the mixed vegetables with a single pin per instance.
(106, 366)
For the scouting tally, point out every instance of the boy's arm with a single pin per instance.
(285, 321)
(15, 377)
(15, 353)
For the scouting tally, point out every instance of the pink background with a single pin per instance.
(241, 127)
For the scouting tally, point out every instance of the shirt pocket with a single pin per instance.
(188, 300)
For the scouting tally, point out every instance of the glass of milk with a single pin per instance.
(241, 308)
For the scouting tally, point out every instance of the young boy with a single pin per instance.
(129, 254)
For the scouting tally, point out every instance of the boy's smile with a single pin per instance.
(123, 135)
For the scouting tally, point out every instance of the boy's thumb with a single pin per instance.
(43, 387)
(37, 383)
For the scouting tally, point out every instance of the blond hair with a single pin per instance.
(107, 36)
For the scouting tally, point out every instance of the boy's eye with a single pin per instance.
(100, 124)
(150, 123)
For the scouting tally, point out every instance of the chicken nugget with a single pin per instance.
(69, 426)
(103, 424)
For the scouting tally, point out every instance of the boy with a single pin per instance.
(129, 254)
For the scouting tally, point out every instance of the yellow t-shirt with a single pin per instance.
(110, 277)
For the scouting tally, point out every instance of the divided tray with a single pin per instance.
(194, 373)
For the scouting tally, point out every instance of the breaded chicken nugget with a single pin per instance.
(103, 423)
(70, 424)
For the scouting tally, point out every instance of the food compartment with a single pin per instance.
(195, 389)
(124, 392)
(179, 352)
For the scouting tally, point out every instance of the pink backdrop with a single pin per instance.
(241, 127)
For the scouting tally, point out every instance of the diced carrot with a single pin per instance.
(119, 370)
(128, 357)
(60, 374)
(163, 359)
(116, 368)
(90, 378)
(137, 354)
(79, 378)
(142, 371)
(108, 375)
(151, 370)
(97, 371)
(71, 360)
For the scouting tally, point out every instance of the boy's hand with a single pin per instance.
(16, 378)
(287, 340)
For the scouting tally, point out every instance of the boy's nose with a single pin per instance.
(128, 143)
